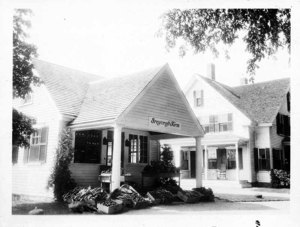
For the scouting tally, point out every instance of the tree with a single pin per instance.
(60, 178)
(23, 77)
(266, 30)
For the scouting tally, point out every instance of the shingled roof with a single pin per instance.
(260, 102)
(87, 97)
(67, 86)
(107, 99)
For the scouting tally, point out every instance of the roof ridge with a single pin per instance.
(128, 75)
(226, 87)
(262, 82)
(66, 67)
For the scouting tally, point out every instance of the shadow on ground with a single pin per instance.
(48, 207)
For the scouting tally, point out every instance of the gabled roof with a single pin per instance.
(67, 86)
(107, 99)
(260, 102)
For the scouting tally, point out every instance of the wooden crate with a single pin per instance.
(153, 200)
(112, 209)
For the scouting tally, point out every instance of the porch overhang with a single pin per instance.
(223, 139)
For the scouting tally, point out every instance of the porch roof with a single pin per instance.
(226, 138)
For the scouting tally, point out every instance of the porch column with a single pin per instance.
(199, 161)
(237, 161)
(116, 158)
(206, 162)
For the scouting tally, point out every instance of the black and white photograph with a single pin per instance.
(129, 113)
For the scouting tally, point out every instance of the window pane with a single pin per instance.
(42, 153)
(44, 134)
(34, 153)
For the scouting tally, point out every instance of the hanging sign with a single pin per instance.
(162, 123)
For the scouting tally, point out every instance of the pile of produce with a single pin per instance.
(162, 195)
(207, 194)
(90, 195)
(189, 196)
(130, 197)
(280, 178)
(84, 199)
(170, 185)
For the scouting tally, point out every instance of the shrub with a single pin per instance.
(280, 178)
(60, 178)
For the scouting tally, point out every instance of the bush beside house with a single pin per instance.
(60, 178)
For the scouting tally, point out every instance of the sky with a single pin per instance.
(118, 39)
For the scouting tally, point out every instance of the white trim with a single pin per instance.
(185, 101)
(264, 124)
(234, 106)
(94, 125)
(140, 95)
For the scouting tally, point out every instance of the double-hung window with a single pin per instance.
(138, 149)
(38, 146)
(212, 158)
(262, 158)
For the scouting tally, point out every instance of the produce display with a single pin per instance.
(189, 196)
(130, 197)
(89, 195)
(110, 206)
(89, 199)
(207, 194)
(164, 196)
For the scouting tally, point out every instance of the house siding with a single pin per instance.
(32, 178)
(213, 99)
(162, 101)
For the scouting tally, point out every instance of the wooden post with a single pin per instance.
(198, 162)
(116, 158)
(206, 162)
(237, 161)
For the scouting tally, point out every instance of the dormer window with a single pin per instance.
(198, 98)
(28, 99)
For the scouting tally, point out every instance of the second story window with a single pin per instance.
(198, 98)
(217, 123)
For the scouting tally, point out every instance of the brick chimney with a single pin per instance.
(211, 71)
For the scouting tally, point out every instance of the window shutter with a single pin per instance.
(268, 158)
(202, 98)
(288, 97)
(240, 150)
(256, 159)
(122, 149)
(195, 99)
(43, 148)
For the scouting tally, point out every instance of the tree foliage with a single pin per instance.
(60, 178)
(23, 52)
(21, 129)
(23, 76)
(202, 29)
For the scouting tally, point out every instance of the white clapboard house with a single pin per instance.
(247, 129)
(116, 122)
